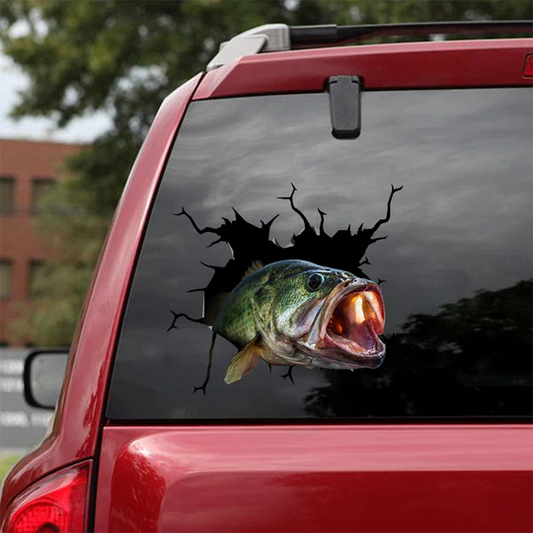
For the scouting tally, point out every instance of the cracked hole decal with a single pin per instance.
(307, 304)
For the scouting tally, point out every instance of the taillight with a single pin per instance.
(53, 505)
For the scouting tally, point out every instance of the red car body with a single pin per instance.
(350, 477)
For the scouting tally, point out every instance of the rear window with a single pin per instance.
(263, 179)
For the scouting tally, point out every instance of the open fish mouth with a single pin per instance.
(352, 320)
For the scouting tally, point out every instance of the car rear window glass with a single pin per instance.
(432, 203)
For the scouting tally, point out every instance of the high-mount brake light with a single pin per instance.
(56, 504)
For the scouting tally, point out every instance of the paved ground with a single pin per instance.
(21, 427)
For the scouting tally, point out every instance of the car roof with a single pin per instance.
(281, 37)
(419, 65)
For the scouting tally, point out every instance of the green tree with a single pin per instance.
(124, 57)
(473, 356)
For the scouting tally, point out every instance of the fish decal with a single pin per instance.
(295, 312)
(292, 311)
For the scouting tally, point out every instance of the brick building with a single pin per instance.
(27, 170)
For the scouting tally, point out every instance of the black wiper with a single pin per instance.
(302, 36)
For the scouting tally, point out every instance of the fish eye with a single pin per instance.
(314, 281)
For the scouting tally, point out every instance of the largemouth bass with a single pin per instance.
(298, 313)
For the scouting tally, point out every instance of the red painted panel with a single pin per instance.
(80, 409)
(316, 478)
(493, 63)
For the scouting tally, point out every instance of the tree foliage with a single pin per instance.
(123, 57)
(473, 356)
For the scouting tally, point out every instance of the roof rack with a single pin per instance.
(280, 37)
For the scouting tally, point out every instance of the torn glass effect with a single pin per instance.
(290, 305)
(457, 259)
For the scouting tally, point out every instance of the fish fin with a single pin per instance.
(254, 267)
(244, 362)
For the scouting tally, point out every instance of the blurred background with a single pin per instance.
(80, 84)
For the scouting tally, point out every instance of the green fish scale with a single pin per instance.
(235, 321)
(278, 284)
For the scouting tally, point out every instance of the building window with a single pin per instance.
(40, 188)
(6, 277)
(34, 290)
(7, 195)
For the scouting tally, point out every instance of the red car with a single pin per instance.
(230, 370)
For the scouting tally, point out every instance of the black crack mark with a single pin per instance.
(289, 374)
(249, 243)
(184, 315)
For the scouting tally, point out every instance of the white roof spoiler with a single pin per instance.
(266, 38)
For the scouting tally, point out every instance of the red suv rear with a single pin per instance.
(260, 202)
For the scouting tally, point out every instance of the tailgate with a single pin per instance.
(322, 478)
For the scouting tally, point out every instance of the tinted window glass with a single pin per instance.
(454, 270)
(6, 279)
(36, 273)
(7, 195)
(40, 188)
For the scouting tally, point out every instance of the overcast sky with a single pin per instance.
(462, 223)
(13, 81)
